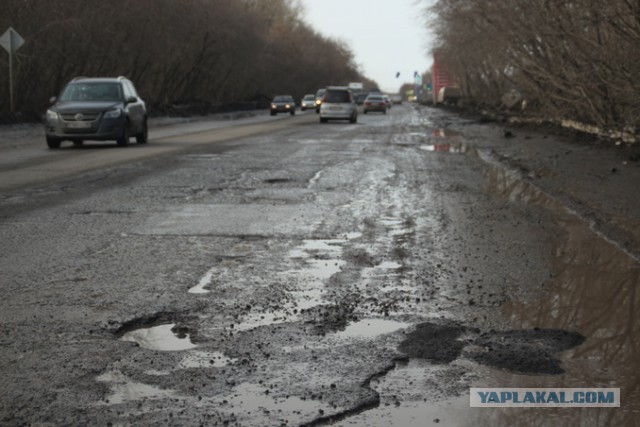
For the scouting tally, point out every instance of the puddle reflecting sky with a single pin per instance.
(371, 328)
(159, 338)
(446, 147)
(389, 265)
(204, 281)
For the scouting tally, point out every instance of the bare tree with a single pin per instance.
(214, 52)
(577, 60)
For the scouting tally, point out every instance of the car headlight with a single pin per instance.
(287, 106)
(113, 114)
(52, 115)
(273, 106)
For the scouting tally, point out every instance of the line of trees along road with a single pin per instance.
(577, 59)
(213, 52)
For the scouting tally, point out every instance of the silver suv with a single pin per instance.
(96, 109)
(338, 104)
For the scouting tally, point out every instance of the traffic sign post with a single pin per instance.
(11, 41)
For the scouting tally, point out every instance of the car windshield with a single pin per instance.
(374, 98)
(92, 92)
(282, 99)
(309, 97)
(337, 96)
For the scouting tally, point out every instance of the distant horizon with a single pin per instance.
(386, 38)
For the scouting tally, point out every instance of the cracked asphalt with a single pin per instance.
(275, 271)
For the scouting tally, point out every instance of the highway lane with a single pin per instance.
(366, 274)
(25, 161)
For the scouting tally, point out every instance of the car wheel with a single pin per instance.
(384, 112)
(273, 113)
(353, 119)
(143, 136)
(365, 111)
(78, 142)
(323, 120)
(124, 138)
(53, 142)
(293, 113)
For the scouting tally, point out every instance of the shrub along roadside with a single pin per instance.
(574, 62)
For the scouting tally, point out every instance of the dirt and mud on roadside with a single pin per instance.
(584, 315)
(592, 292)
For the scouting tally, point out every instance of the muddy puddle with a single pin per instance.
(433, 137)
(159, 338)
(594, 292)
(402, 401)
(254, 405)
(445, 148)
(396, 226)
(204, 281)
(315, 262)
(371, 328)
(441, 140)
(124, 389)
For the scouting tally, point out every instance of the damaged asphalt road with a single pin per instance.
(363, 275)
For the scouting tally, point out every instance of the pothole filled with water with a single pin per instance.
(445, 147)
(371, 328)
(160, 338)
(316, 262)
(123, 389)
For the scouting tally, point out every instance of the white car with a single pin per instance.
(338, 104)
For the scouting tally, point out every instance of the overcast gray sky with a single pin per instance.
(386, 36)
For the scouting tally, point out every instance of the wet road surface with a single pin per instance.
(308, 274)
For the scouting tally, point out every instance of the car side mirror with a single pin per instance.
(52, 100)
(132, 99)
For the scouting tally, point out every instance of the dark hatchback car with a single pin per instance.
(97, 109)
(283, 104)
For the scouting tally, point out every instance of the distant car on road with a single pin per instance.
(359, 98)
(396, 99)
(97, 109)
(283, 104)
(308, 101)
(338, 104)
(387, 100)
(375, 103)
